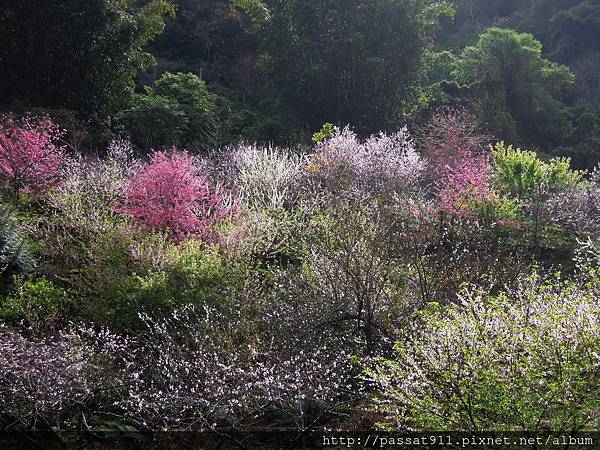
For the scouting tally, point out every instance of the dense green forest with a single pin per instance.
(275, 72)
(234, 217)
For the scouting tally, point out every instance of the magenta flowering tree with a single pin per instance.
(459, 166)
(30, 159)
(466, 183)
(170, 194)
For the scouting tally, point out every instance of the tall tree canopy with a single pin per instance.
(568, 29)
(178, 110)
(208, 38)
(79, 55)
(518, 93)
(348, 61)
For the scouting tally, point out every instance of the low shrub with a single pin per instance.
(522, 175)
(40, 304)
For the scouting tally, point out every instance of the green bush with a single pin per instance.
(521, 174)
(154, 121)
(40, 303)
(201, 275)
(188, 273)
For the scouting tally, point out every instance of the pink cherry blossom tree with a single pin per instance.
(30, 159)
(459, 165)
(466, 183)
(170, 194)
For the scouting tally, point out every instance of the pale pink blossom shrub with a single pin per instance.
(90, 187)
(47, 381)
(170, 194)
(195, 370)
(30, 157)
(575, 209)
(524, 360)
(379, 164)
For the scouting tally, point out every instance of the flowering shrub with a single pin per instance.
(576, 209)
(525, 360)
(381, 163)
(169, 194)
(450, 139)
(90, 187)
(264, 178)
(30, 159)
(354, 270)
(196, 370)
(47, 381)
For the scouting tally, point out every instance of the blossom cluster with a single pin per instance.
(262, 177)
(170, 194)
(252, 285)
(189, 374)
(380, 163)
(30, 156)
(525, 360)
(47, 380)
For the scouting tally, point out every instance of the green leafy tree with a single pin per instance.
(208, 37)
(73, 54)
(576, 34)
(521, 174)
(347, 61)
(179, 109)
(153, 121)
(519, 94)
(584, 136)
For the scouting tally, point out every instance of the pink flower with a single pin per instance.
(458, 164)
(29, 158)
(169, 194)
(467, 182)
